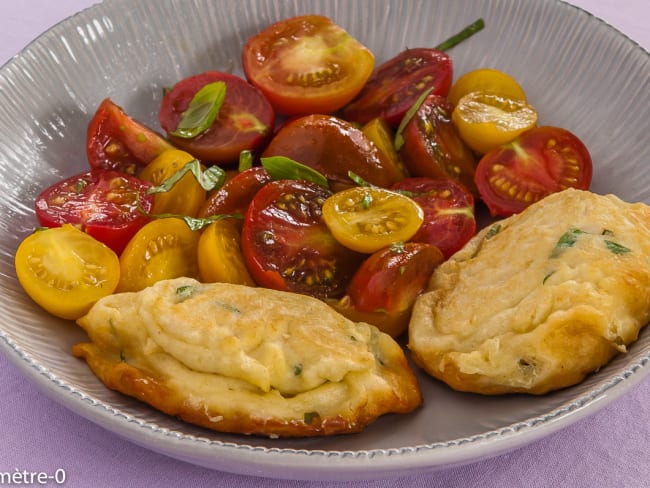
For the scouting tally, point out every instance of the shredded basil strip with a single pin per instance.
(616, 248)
(309, 417)
(283, 168)
(211, 178)
(494, 230)
(185, 292)
(245, 161)
(399, 138)
(456, 39)
(202, 110)
(196, 223)
(567, 240)
(357, 179)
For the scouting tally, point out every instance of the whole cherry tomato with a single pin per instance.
(307, 64)
(334, 147)
(398, 83)
(109, 205)
(539, 162)
(384, 288)
(287, 245)
(449, 220)
(433, 147)
(116, 141)
(244, 121)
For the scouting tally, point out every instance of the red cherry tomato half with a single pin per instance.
(432, 146)
(390, 279)
(307, 64)
(116, 141)
(333, 147)
(537, 163)
(108, 205)
(236, 194)
(397, 84)
(449, 220)
(287, 246)
(244, 121)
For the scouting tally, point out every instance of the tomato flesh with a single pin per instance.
(539, 162)
(366, 219)
(307, 64)
(334, 147)
(432, 146)
(66, 271)
(163, 249)
(116, 141)
(244, 121)
(109, 205)
(449, 219)
(398, 83)
(486, 80)
(287, 246)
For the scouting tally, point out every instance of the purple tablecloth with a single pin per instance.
(608, 448)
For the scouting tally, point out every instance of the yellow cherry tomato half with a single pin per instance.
(184, 198)
(485, 80)
(65, 271)
(220, 256)
(162, 249)
(366, 219)
(485, 120)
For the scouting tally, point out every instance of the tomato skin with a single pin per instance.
(307, 64)
(109, 205)
(244, 122)
(366, 219)
(220, 257)
(118, 142)
(287, 246)
(537, 163)
(449, 218)
(432, 146)
(333, 147)
(397, 84)
(163, 249)
(384, 288)
(65, 271)
(236, 194)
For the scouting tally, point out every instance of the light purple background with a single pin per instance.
(609, 448)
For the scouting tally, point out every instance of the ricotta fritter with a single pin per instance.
(246, 360)
(539, 300)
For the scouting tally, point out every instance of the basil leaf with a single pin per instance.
(202, 110)
(211, 178)
(399, 138)
(283, 168)
(357, 179)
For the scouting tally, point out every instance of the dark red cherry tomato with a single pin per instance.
(108, 205)
(307, 64)
(244, 121)
(333, 147)
(236, 194)
(384, 288)
(397, 84)
(116, 141)
(537, 163)
(432, 146)
(449, 219)
(287, 246)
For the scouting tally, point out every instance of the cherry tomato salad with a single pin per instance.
(318, 173)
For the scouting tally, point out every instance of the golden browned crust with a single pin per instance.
(540, 300)
(125, 355)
